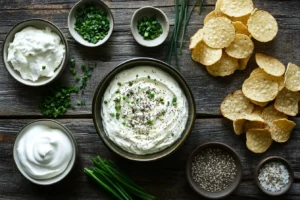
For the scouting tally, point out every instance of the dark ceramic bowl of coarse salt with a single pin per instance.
(214, 170)
(274, 176)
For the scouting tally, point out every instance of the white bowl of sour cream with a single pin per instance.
(45, 152)
(35, 52)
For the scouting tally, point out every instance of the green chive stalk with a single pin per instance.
(112, 179)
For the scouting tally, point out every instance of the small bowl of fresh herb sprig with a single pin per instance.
(90, 22)
(149, 26)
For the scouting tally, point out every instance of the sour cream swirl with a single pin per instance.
(144, 110)
(44, 152)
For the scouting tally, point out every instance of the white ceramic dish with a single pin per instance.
(72, 20)
(55, 125)
(40, 24)
(161, 17)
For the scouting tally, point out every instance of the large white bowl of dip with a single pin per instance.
(35, 52)
(143, 110)
(45, 152)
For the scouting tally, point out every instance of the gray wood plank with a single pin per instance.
(164, 178)
(208, 91)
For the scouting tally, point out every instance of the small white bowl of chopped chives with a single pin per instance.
(90, 22)
(274, 176)
(149, 26)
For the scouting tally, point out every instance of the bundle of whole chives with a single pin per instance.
(181, 16)
(112, 179)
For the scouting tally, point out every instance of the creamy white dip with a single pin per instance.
(35, 53)
(44, 152)
(144, 110)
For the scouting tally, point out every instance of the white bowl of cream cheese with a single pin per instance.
(45, 152)
(35, 52)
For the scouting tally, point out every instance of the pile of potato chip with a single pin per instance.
(224, 44)
(262, 107)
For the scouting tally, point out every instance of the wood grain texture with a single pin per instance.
(164, 178)
(208, 91)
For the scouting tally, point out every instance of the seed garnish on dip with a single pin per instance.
(214, 169)
(273, 176)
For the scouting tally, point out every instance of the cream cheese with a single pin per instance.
(144, 110)
(36, 53)
(44, 152)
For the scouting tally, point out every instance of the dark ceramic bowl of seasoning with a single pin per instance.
(274, 168)
(102, 102)
(214, 170)
(149, 35)
(91, 40)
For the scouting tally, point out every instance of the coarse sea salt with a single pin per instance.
(273, 176)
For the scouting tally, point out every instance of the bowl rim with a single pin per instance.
(63, 64)
(119, 152)
(228, 149)
(165, 19)
(100, 42)
(72, 139)
(270, 159)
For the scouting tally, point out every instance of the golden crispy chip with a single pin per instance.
(270, 114)
(258, 140)
(243, 19)
(281, 130)
(243, 63)
(270, 64)
(241, 47)
(224, 67)
(292, 77)
(218, 7)
(238, 126)
(218, 32)
(209, 16)
(287, 102)
(262, 26)
(241, 28)
(253, 120)
(206, 55)
(236, 106)
(260, 88)
(278, 79)
(237, 8)
(195, 39)
(254, 125)
(261, 104)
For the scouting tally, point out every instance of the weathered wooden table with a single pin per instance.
(164, 178)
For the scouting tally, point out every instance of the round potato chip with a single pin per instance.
(260, 88)
(292, 77)
(241, 28)
(270, 114)
(243, 19)
(224, 67)
(258, 140)
(278, 79)
(243, 63)
(209, 16)
(287, 102)
(195, 39)
(281, 130)
(238, 126)
(236, 106)
(218, 32)
(206, 55)
(262, 26)
(241, 47)
(237, 8)
(254, 125)
(270, 64)
(261, 104)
